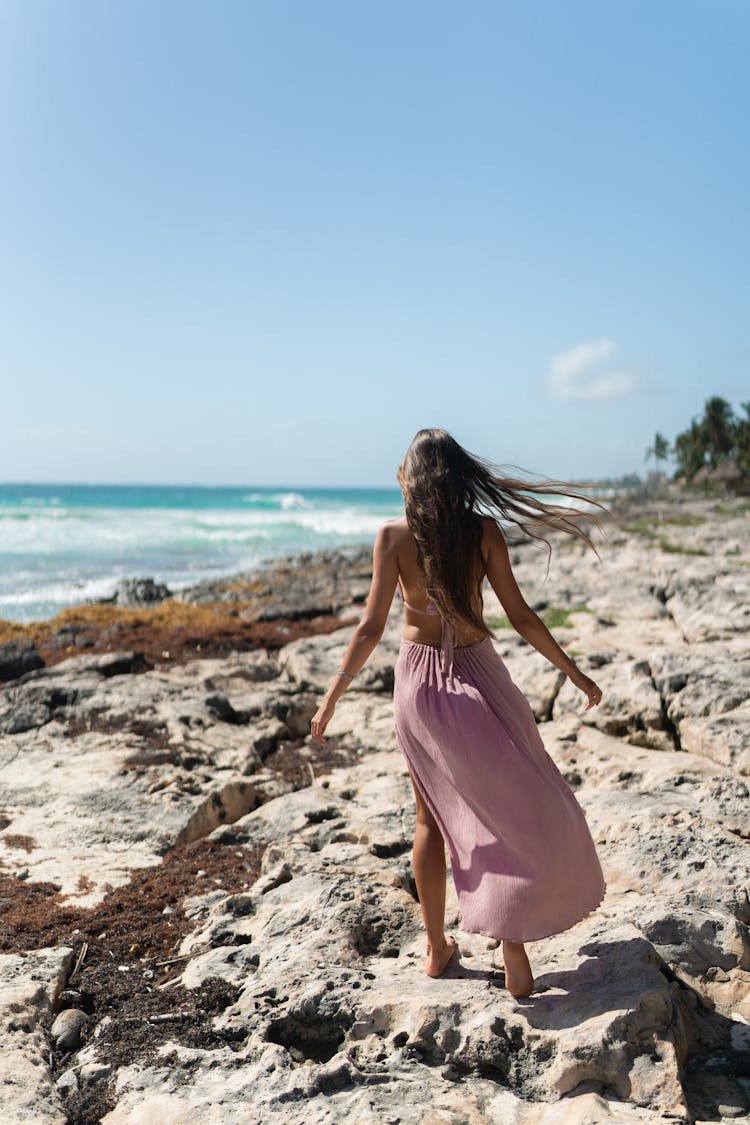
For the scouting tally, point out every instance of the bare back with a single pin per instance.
(423, 626)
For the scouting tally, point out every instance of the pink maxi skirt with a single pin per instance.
(522, 858)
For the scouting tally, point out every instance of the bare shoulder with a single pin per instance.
(492, 535)
(394, 529)
(392, 534)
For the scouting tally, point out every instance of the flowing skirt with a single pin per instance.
(522, 858)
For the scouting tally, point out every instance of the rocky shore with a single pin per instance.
(204, 919)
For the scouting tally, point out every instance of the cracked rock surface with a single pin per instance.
(282, 979)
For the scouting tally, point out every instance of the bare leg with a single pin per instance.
(430, 874)
(518, 977)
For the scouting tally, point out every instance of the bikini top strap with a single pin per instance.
(447, 635)
(433, 612)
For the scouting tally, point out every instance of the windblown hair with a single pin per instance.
(447, 491)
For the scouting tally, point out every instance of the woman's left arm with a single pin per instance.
(368, 632)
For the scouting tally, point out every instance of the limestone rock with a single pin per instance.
(139, 592)
(711, 607)
(724, 738)
(631, 706)
(312, 662)
(28, 987)
(607, 1011)
(539, 680)
(638, 1010)
(67, 1083)
(17, 658)
(702, 681)
(91, 1073)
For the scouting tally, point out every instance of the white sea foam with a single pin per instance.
(292, 500)
(284, 500)
(61, 593)
(66, 548)
(348, 522)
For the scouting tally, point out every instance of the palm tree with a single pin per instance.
(742, 440)
(690, 449)
(719, 424)
(659, 450)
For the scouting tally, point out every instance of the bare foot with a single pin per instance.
(518, 976)
(438, 962)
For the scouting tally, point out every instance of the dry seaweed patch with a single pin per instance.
(154, 734)
(143, 1023)
(172, 632)
(24, 843)
(126, 947)
(35, 915)
(300, 763)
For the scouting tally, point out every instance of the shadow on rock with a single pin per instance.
(615, 977)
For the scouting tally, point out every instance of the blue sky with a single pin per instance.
(266, 242)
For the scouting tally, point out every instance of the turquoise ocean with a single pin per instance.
(62, 545)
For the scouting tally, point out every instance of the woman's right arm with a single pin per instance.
(522, 617)
(368, 632)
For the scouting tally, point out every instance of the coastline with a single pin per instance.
(282, 599)
(231, 911)
(303, 595)
(62, 545)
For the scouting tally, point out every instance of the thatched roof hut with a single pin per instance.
(726, 472)
(703, 475)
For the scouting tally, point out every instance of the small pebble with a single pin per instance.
(67, 1083)
(94, 1072)
(69, 998)
(66, 1030)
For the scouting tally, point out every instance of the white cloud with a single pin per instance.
(577, 374)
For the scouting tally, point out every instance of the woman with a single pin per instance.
(522, 858)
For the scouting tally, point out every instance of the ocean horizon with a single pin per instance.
(65, 544)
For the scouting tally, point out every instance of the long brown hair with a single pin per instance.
(446, 492)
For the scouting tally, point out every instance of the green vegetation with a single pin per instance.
(733, 551)
(640, 527)
(555, 617)
(715, 448)
(648, 527)
(498, 623)
(659, 450)
(687, 520)
(677, 549)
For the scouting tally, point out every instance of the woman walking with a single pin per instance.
(522, 858)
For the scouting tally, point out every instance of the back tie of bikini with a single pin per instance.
(430, 611)
(447, 634)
